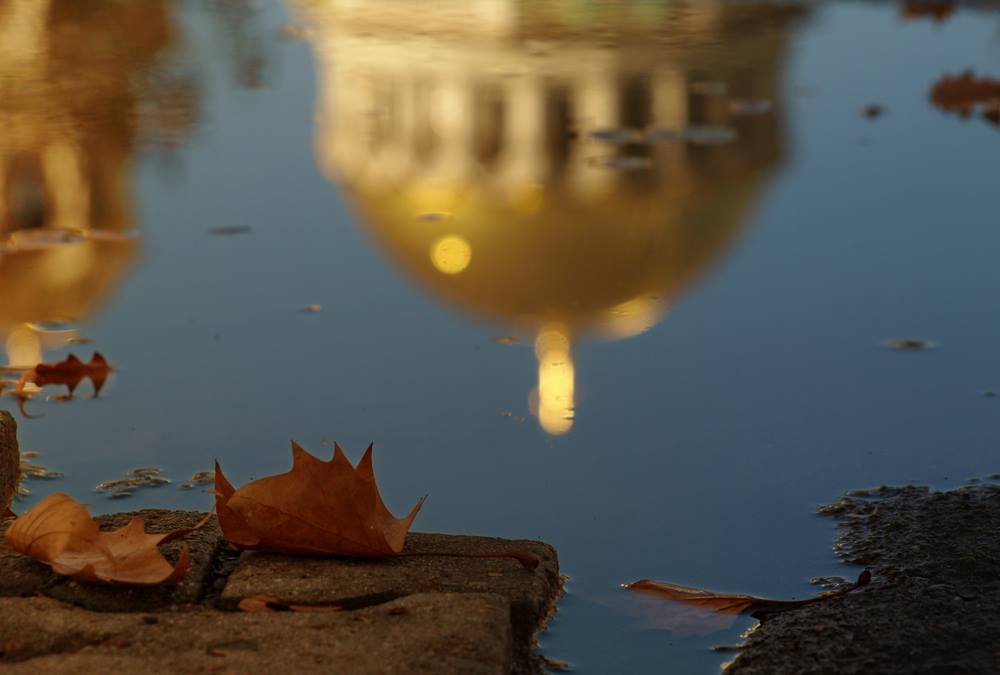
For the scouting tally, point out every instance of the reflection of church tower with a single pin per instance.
(564, 171)
(71, 76)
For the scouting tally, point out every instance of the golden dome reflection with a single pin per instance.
(548, 168)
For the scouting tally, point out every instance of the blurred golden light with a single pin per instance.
(451, 254)
(556, 381)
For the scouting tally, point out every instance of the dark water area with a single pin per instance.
(613, 276)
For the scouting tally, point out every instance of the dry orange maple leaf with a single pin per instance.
(69, 372)
(59, 532)
(318, 508)
(725, 603)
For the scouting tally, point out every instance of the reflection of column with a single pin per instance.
(348, 101)
(594, 106)
(523, 159)
(67, 186)
(394, 158)
(451, 114)
(556, 380)
(670, 112)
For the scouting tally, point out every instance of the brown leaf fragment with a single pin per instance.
(908, 344)
(318, 508)
(69, 372)
(873, 111)
(60, 533)
(938, 10)
(964, 93)
(725, 603)
(222, 230)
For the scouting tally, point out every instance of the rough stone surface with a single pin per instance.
(466, 634)
(531, 594)
(20, 575)
(934, 603)
(10, 460)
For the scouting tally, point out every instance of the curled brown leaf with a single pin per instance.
(60, 533)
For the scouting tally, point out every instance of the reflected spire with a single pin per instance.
(561, 170)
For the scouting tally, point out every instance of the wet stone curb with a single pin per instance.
(413, 614)
(934, 602)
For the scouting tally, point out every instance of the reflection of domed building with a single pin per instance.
(71, 76)
(559, 168)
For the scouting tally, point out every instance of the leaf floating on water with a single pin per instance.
(223, 230)
(938, 10)
(908, 344)
(36, 471)
(316, 508)
(146, 477)
(965, 94)
(202, 478)
(726, 603)
(873, 111)
(60, 533)
(508, 340)
(312, 309)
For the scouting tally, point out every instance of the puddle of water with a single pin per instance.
(692, 243)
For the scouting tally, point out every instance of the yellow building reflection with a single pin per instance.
(73, 74)
(566, 169)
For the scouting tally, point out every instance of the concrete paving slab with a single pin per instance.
(444, 633)
(531, 593)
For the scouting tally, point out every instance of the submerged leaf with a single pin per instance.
(317, 508)
(60, 533)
